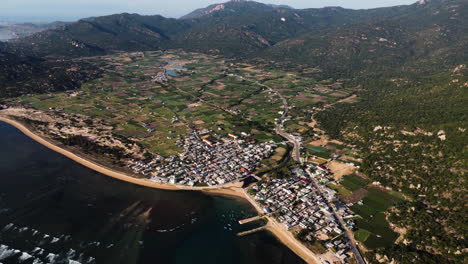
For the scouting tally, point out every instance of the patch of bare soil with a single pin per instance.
(320, 142)
(340, 169)
(199, 122)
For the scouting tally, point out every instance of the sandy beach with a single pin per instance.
(232, 189)
(291, 242)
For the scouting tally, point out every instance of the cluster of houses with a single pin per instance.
(298, 205)
(207, 161)
(160, 78)
(296, 202)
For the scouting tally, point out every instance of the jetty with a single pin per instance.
(251, 219)
(258, 229)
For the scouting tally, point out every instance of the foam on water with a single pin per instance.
(38, 251)
(24, 256)
(6, 252)
(51, 257)
(71, 253)
(8, 227)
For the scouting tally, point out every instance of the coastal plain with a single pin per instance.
(146, 103)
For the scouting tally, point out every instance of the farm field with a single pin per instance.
(370, 204)
(156, 98)
(201, 92)
(354, 183)
(373, 228)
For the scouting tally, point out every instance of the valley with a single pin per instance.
(136, 118)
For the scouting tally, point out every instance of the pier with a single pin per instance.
(258, 229)
(251, 219)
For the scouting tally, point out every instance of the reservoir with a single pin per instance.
(53, 210)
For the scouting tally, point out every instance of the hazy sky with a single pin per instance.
(74, 9)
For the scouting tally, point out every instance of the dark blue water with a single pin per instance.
(53, 210)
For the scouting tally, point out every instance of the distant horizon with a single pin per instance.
(23, 11)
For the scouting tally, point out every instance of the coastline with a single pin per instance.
(231, 190)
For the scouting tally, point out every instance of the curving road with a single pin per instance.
(296, 155)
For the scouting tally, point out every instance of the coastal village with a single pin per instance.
(295, 202)
(207, 161)
(300, 206)
(215, 137)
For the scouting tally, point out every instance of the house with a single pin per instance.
(208, 142)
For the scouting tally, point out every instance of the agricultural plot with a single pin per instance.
(373, 228)
(319, 152)
(354, 183)
(201, 92)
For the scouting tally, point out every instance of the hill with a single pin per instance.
(12, 30)
(231, 8)
(246, 28)
(100, 35)
(411, 133)
(24, 74)
(417, 38)
(236, 28)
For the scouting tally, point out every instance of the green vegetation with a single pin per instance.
(21, 75)
(319, 152)
(373, 228)
(410, 133)
(361, 235)
(408, 123)
(343, 192)
(380, 234)
(313, 244)
(157, 115)
(354, 182)
(375, 202)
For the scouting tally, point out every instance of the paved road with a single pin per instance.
(296, 154)
(348, 233)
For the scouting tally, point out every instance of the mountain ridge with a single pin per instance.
(332, 38)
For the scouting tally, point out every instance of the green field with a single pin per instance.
(362, 235)
(380, 234)
(342, 191)
(353, 182)
(373, 228)
(319, 152)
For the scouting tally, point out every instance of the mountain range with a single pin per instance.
(340, 41)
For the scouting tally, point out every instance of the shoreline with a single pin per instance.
(284, 236)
